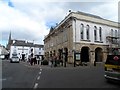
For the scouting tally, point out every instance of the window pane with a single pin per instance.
(95, 33)
(82, 29)
(100, 33)
(87, 30)
(112, 32)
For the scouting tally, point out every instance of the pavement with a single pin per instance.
(62, 67)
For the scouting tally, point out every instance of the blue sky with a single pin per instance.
(31, 19)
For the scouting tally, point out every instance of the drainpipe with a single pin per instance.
(75, 44)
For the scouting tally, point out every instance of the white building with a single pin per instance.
(23, 48)
(3, 52)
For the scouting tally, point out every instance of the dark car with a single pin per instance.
(112, 68)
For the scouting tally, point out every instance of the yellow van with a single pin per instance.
(112, 68)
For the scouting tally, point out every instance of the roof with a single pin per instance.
(71, 14)
(24, 43)
(38, 45)
(87, 14)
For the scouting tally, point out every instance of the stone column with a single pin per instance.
(92, 55)
(104, 56)
(98, 35)
(84, 34)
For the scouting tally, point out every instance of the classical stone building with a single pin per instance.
(87, 34)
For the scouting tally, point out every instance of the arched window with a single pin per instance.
(95, 33)
(82, 30)
(100, 33)
(112, 32)
(116, 33)
(87, 31)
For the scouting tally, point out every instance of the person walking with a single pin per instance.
(31, 59)
(34, 60)
(51, 61)
(94, 63)
(55, 61)
(38, 60)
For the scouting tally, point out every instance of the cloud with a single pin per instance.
(106, 10)
(20, 23)
(31, 19)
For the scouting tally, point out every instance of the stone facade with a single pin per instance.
(66, 37)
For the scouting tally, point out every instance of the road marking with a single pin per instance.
(38, 78)
(40, 69)
(36, 85)
(39, 72)
(3, 79)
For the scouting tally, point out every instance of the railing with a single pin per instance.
(112, 40)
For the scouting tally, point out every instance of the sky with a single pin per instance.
(31, 19)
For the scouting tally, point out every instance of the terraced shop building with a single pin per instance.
(90, 35)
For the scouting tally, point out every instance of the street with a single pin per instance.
(22, 75)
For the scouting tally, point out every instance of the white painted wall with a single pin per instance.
(26, 51)
(106, 31)
(39, 51)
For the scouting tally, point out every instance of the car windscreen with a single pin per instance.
(14, 57)
(113, 59)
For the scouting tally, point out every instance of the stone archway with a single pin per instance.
(60, 52)
(66, 54)
(98, 55)
(85, 54)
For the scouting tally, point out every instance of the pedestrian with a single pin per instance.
(94, 63)
(55, 61)
(34, 60)
(38, 60)
(31, 59)
(51, 61)
(58, 60)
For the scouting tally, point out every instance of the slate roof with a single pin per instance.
(87, 14)
(24, 43)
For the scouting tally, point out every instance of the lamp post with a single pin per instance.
(74, 57)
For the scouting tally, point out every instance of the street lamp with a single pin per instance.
(74, 57)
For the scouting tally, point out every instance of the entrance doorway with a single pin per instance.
(66, 54)
(60, 53)
(85, 54)
(98, 55)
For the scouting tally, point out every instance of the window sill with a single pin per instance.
(99, 41)
(85, 40)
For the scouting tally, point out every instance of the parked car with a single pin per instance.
(14, 59)
(112, 68)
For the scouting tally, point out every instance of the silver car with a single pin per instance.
(14, 59)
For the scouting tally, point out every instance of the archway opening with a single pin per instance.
(66, 54)
(60, 51)
(98, 55)
(85, 54)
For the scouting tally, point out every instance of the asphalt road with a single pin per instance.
(78, 77)
(22, 75)
(17, 75)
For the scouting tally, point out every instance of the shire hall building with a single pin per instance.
(90, 35)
